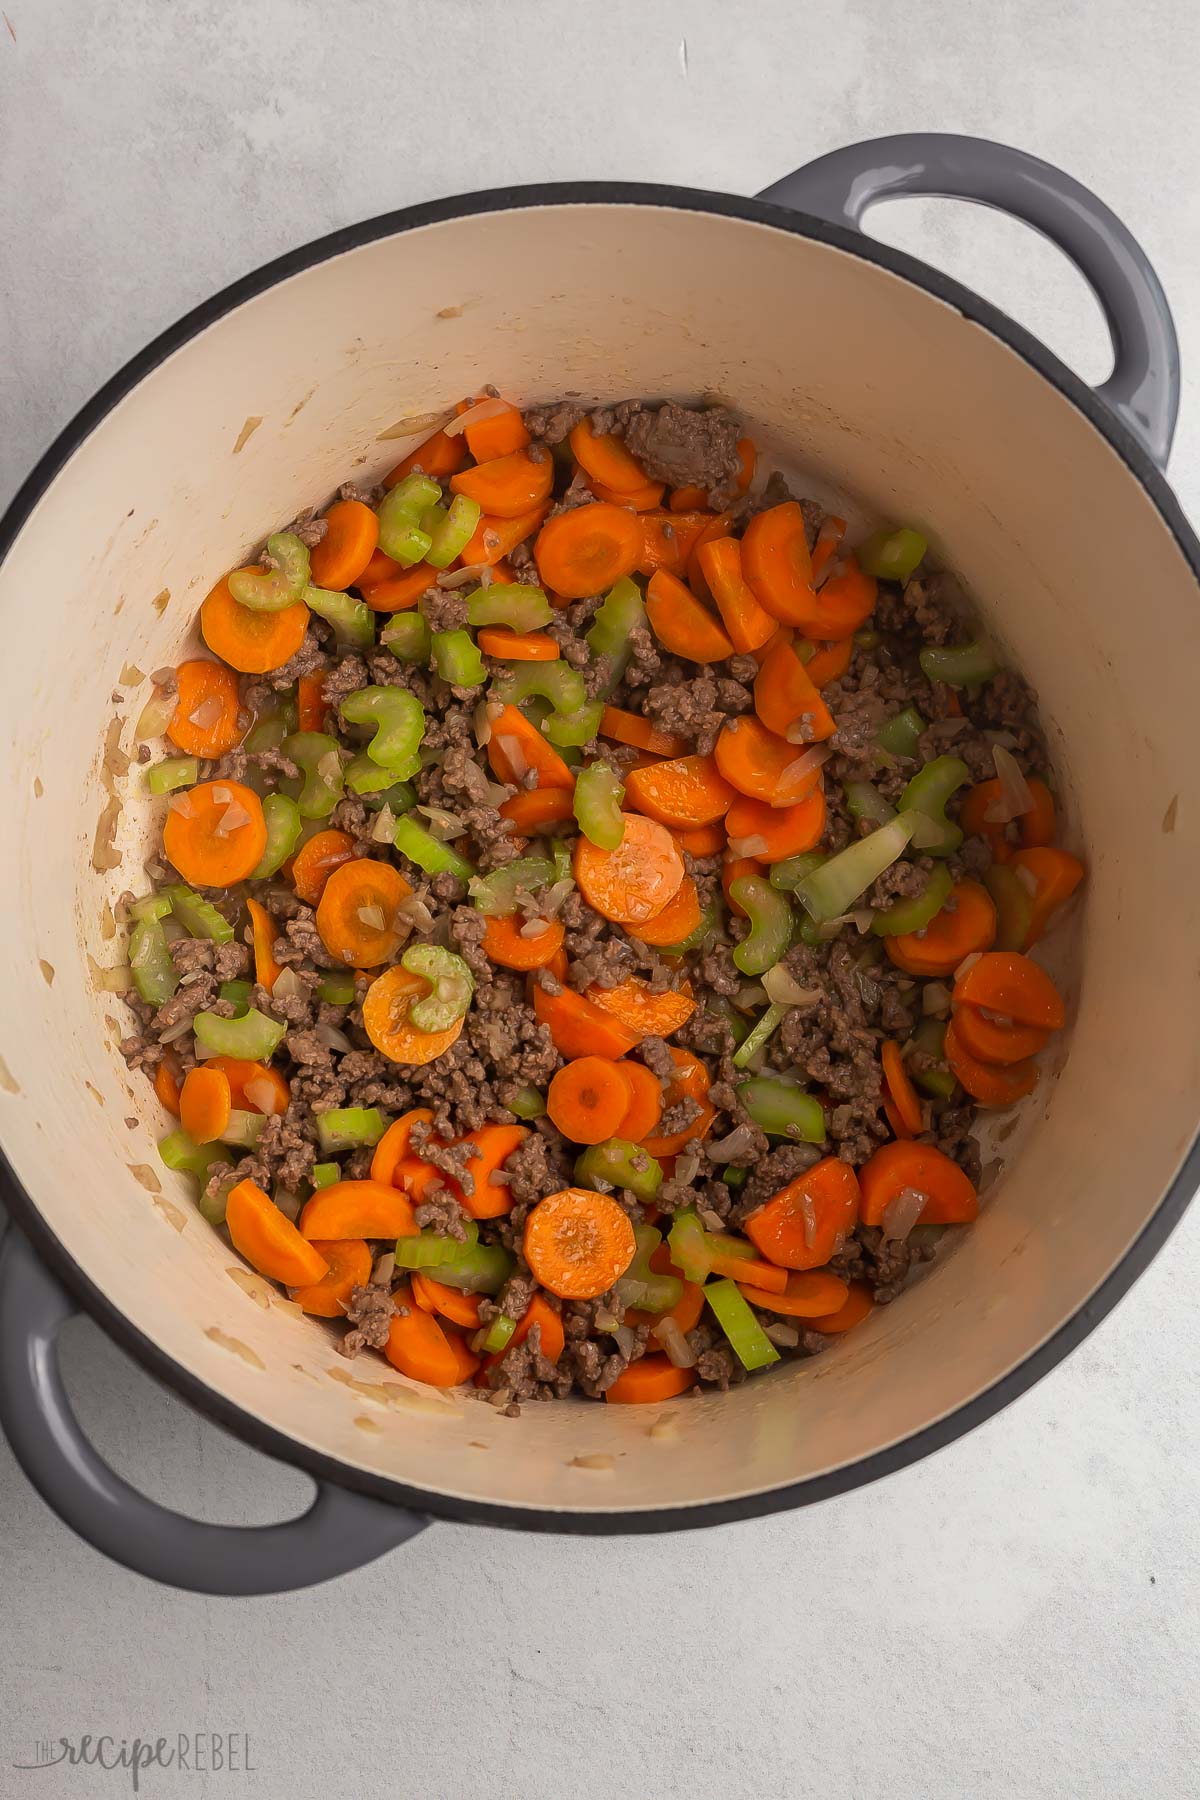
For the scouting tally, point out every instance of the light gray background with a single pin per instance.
(1016, 1617)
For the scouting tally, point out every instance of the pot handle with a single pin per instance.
(1143, 389)
(340, 1531)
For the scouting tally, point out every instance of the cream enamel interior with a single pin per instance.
(893, 401)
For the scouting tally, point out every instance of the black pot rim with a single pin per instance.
(1040, 1360)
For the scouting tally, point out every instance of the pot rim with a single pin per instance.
(1170, 1208)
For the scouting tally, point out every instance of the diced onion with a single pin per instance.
(207, 714)
(221, 796)
(384, 826)
(332, 1038)
(483, 724)
(385, 1268)
(863, 917)
(534, 928)
(1015, 796)
(329, 768)
(782, 987)
(926, 831)
(456, 578)
(935, 999)
(813, 759)
(902, 1212)
(712, 1221)
(687, 1165)
(414, 908)
(1027, 879)
(155, 716)
(968, 962)
(754, 845)
(233, 817)
(735, 1147)
(372, 917)
(786, 1336)
(808, 1213)
(175, 1031)
(513, 752)
(262, 1094)
(287, 985)
(669, 1334)
(180, 803)
(475, 415)
(443, 825)
(553, 898)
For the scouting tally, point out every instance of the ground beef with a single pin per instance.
(552, 424)
(686, 446)
(306, 661)
(442, 1211)
(370, 1314)
(445, 609)
(347, 676)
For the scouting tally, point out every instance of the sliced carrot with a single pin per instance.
(604, 457)
(802, 1226)
(552, 1338)
(1056, 874)
(252, 642)
(206, 716)
(634, 882)
(992, 1040)
(215, 833)
(807, 1294)
(764, 1275)
(1036, 828)
(357, 1209)
(669, 538)
(639, 500)
(966, 923)
(253, 1086)
(518, 646)
(533, 809)
(166, 1083)
(763, 766)
(452, 1303)
(688, 498)
(438, 456)
(645, 1012)
(746, 621)
(857, 1306)
(310, 702)
(352, 533)
(579, 1027)
(844, 602)
(770, 833)
(578, 1243)
(490, 1199)
(989, 1084)
(495, 538)
(265, 931)
(380, 568)
(684, 791)
(686, 1310)
(508, 486)
(649, 1379)
(350, 1264)
(701, 840)
(386, 1021)
(204, 1103)
(516, 746)
(678, 919)
(503, 942)
(899, 1128)
(315, 861)
(498, 435)
(586, 550)
(624, 727)
(270, 1242)
(418, 1347)
(393, 1148)
(951, 1197)
(588, 1098)
(681, 623)
(645, 1102)
(358, 914)
(692, 1082)
(903, 1093)
(711, 528)
(397, 593)
(828, 662)
(1004, 981)
(788, 701)
(777, 565)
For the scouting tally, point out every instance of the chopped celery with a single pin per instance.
(610, 636)
(319, 757)
(336, 990)
(154, 974)
(833, 888)
(252, 1038)
(324, 1174)
(399, 721)
(899, 736)
(179, 1152)
(378, 786)
(236, 992)
(429, 1248)
(431, 518)
(969, 665)
(451, 981)
(749, 1341)
(450, 537)
(915, 914)
(457, 660)
(198, 917)
(173, 772)
(211, 1206)
(599, 792)
(411, 496)
(498, 1335)
(482, 1269)
(151, 907)
(570, 730)
(753, 1042)
(499, 893)
(556, 682)
(926, 796)
(1014, 906)
(284, 826)
(688, 1242)
(561, 852)
(781, 1108)
(352, 620)
(429, 853)
(709, 919)
(892, 553)
(864, 801)
(735, 1178)
(272, 726)
(641, 1285)
(620, 1164)
(270, 590)
(349, 1127)
(770, 916)
(791, 871)
(400, 534)
(407, 636)
(519, 606)
(243, 1128)
(527, 1103)
(930, 1039)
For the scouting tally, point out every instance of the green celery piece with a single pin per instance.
(352, 620)
(272, 726)
(842, 880)
(619, 615)
(599, 792)
(709, 919)
(431, 518)
(150, 907)
(399, 512)
(781, 1108)
(337, 990)
(399, 721)
(243, 1128)
(527, 1103)
(892, 553)
(349, 1127)
(429, 853)
(173, 772)
(179, 1152)
(498, 893)
(319, 757)
(621, 1165)
(431, 1248)
(252, 1038)
(969, 665)
(457, 660)
(750, 1343)
(154, 974)
(198, 917)
(451, 980)
(560, 850)
(513, 603)
(1014, 906)
(926, 795)
(915, 914)
(270, 590)
(767, 1023)
(864, 801)
(236, 992)
(789, 873)
(284, 826)
(867, 640)
(499, 1334)
(211, 1206)
(571, 730)
(556, 682)
(770, 916)
(641, 1285)
(454, 532)
(483, 1269)
(408, 637)
(689, 1245)
(899, 736)
(735, 1178)
(324, 1174)
(930, 1037)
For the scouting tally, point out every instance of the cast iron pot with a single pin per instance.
(889, 389)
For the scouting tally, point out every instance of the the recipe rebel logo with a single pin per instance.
(189, 1752)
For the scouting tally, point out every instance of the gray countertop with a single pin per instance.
(1016, 1617)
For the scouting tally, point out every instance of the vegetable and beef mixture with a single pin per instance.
(593, 901)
